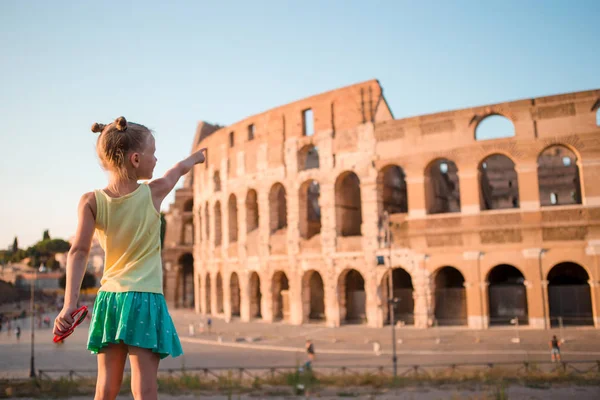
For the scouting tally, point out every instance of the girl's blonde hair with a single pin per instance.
(116, 141)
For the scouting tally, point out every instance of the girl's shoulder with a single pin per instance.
(88, 200)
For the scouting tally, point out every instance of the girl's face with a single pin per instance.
(147, 159)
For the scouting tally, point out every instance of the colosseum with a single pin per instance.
(329, 209)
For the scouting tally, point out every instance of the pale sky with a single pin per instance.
(66, 65)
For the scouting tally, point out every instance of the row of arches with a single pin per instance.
(558, 177)
(569, 297)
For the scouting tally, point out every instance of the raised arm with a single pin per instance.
(162, 186)
(77, 260)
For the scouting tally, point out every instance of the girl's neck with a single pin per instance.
(120, 186)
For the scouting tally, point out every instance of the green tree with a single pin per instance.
(15, 246)
(45, 250)
(89, 281)
(46, 235)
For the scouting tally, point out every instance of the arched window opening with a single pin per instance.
(348, 205)
(308, 158)
(233, 222)
(498, 183)
(507, 296)
(558, 177)
(450, 300)
(494, 127)
(310, 210)
(277, 208)
(403, 291)
(569, 296)
(392, 191)
(442, 189)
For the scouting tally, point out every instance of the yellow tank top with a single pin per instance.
(128, 229)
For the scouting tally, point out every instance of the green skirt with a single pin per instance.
(135, 318)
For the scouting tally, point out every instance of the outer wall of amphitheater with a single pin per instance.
(302, 212)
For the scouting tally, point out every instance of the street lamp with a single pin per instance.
(32, 311)
(385, 236)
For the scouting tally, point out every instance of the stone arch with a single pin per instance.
(186, 280)
(450, 298)
(280, 296)
(498, 183)
(234, 289)
(207, 294)
(233, 222)
(308, 157)
(569, 296)
(217, 181)
(352, 296)
(494, 126)
(206, 221)
(187, 232)
(251, 210)
(391, 190)
(188, 206)
(404, 291)
(313, 296)
(558, 176)
(219, 309)
(277, 208)
(218, 230)
(310, 209)
(348, 204)
(442, 188)
(507, 295)
(255, 295)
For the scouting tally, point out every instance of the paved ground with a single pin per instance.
(257, 344)
(513, 393)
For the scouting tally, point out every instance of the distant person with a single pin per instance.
(209, 324)
(18, 332)
(125, 216)
(555, 349)
(310, 353)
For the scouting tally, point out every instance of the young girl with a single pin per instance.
(130, 314)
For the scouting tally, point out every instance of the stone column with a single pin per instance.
(589, 173)
(241, 243)
(214, 310)
(226, 277)
(332, 303)
(476, 291)
(296, 298)
(593, 250)
(529, 191)
(197, 290)
(266, 298)
(536, 288)
(244, 280)
(415, 188)
(422, 299)
(468, 181)
(293, 218)
(328, 222)
(263, 222)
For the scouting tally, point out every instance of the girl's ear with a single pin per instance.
(134, 158)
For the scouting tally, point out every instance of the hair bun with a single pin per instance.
(121, 124)
(96, 127)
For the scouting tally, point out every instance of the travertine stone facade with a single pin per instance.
(290, 214)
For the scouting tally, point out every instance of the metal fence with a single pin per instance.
(271, 374)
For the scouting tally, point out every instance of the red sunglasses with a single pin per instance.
(79, 316)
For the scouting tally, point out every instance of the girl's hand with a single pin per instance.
(64, 320)
(201, 155)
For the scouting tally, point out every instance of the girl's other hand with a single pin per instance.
(64, 320)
